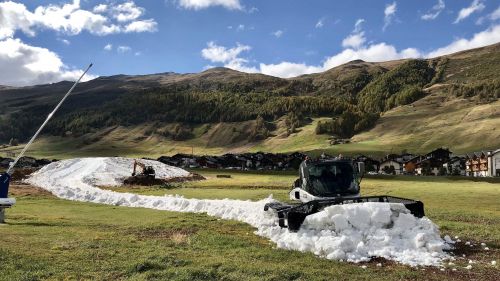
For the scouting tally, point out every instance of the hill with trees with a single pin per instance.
(228, 109)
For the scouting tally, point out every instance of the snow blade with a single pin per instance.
(292, 216)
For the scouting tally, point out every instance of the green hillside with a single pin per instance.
(412, 105)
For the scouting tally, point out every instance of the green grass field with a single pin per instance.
(50, 238)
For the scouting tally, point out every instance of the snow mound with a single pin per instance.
(352, 232)
(358, 232)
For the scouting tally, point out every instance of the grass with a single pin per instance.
(432, 122)
(49, 238)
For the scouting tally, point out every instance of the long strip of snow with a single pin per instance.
(353, 232)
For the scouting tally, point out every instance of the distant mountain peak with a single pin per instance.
(356, 61)
(219, 69)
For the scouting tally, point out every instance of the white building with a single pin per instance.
(494, 163)
(398, 166)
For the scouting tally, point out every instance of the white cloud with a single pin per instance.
(357, 37)
(495, 15)
(288, 69)
(483, 38)
(320, 23)
(389, 12)
(358, 25)
(101, 8)
(475, 6)
(354, 40)
(374, 52)
(434, 12)
(241, 65)
(28, 65)
(277, 33)
(14, 16)
(71, 19)
(64, 41)
(230, 57)
(141, 26)
(203, 4)
(240, 27)
(216, 53)
(108, 47)
(123, 49)
(127, 11)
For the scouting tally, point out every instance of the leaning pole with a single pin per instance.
(5, 201)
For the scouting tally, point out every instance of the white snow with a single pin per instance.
(353, 232)
(448, 239)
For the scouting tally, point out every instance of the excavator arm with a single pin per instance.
(142, 166)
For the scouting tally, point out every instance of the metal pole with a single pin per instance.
(46, 121)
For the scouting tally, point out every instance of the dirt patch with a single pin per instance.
(455, 269)
(190, 177)
(178, 236)
(18, 189)
(20, 174)
(150, 181)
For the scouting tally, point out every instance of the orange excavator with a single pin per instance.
(146, 171)
(142, 175)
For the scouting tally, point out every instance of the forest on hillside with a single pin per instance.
(353, 104)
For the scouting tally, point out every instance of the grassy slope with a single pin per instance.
(48, 238)
(420, 127)
(436, 121)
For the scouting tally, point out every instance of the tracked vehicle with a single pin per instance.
(324, 183)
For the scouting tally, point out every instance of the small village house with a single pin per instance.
(455, 167)
(410, 165)
(391, 166)
(429, 167)
(371, 165)
(477, 165)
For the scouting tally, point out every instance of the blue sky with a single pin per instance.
(47, 41)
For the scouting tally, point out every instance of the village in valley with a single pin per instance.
(439, 162)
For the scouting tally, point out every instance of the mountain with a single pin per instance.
(382, 106)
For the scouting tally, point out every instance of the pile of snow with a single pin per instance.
(357, 232)
(353, 232)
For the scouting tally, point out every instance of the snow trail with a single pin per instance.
(353, 232)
